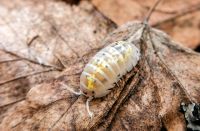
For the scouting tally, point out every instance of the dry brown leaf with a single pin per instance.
(176, 17)
(44, 43)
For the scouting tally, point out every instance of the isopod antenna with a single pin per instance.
(91, 114)
(71, 90)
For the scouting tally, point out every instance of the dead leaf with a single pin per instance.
(38, 42)
(178, 18)
(32, 98)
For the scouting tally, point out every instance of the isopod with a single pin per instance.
(105, 69)
(112, 62)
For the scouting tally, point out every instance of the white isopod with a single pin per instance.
(110, 64)
(105, 69)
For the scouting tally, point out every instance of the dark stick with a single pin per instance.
(146, 19)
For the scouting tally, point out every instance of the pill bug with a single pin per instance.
(105, 69)
(109, 65)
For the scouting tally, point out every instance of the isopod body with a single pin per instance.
(107, 67)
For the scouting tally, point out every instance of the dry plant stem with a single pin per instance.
(151, 11)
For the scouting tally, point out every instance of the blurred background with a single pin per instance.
(179, 18)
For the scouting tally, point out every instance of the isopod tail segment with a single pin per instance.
(91, 114)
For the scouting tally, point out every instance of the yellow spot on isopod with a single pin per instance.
(91, 81)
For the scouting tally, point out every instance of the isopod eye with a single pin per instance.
(92, 92)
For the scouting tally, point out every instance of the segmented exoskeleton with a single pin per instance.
(109, 65)
(106, 68)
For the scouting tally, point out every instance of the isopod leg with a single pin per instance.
(91, 114)
(71, 90)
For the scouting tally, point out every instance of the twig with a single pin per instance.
(151, 11)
